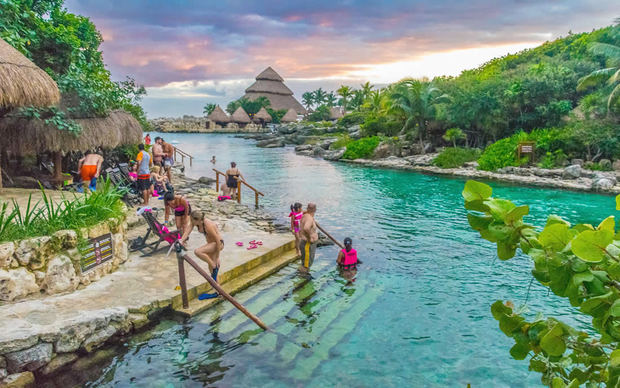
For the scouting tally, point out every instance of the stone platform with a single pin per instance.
(45, 335)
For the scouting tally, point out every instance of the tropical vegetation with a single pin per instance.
(66, 46)
(580, 263)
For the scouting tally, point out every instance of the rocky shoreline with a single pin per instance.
(316, 141)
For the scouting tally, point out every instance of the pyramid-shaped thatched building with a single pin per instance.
(269, 84)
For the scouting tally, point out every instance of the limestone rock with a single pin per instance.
(334, 155)
(19, 380)
(98, 230)
(3, 374)
(318, 151)
(34, 252)
(572, 172)
(605, 164)
(17, 283)
(60, 275)
(616, 165)
(29, 359)
(603, 183)
(58, 362)
(6, 255)
(578, 162)
(71, 338)
(303, 147)
(98, 338)
(14, 344)
(67, 238)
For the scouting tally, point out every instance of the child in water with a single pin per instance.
(295, 215)
(347, 260)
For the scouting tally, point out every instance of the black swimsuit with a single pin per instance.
(232, 181)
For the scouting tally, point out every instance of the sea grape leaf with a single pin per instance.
(520, 350)
(590, 245)
(506, 251)
(509, 323)
(477, 205)
(555, 236)
(583, 227)
(474, 191)
(552, 342)
(618, 202)
(478, 222)
(579, 278)
(614, 311)
(517, 214)
(553, 219)
(608, 223)
(499, 309)
(500, 231)
(499, 208)
(614, 358)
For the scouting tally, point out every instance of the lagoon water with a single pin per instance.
(418, 313)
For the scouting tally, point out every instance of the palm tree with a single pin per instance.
(319, 96)
(307, 99)
(611, 74)
(208, 109)
(454, 134)
(375, 102)
(416, 100)
(330, 99)
(366, 89)
(345, 93)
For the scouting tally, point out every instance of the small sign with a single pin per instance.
(97, 251)
(526, 148)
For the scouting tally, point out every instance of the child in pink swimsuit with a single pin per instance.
(295, 215)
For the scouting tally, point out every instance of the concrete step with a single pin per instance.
(241, 277)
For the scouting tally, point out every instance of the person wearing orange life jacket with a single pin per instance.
(347, 258)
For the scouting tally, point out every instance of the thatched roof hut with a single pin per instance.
(335, 113)
(262, 116)
(269, 84)
(219, 116)
(23, 136)
(240, 116)
(22, 83)
(289, 117)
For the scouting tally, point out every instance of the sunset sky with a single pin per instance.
(188, 53)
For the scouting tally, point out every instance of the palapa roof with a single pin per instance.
(335, 113)
(240, 116)
(24, 136)
(219, 116)
(262, 114)
(269, 84)
(22, 83)
(290, 116)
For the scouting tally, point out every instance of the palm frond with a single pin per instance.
(595, 78)
(615, 77)
(607, 50)
(613, 97)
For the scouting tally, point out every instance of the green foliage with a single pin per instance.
(208, 109)
(321, 113)
(250, 107)
(47, 216)
(362, 148)
(343, 141)
(381, 125)
(502, 153)
(276, 115)
(67, 47)
(553, 159)
(351, 119)
(453, 135)
(456, 157)
(580, 263)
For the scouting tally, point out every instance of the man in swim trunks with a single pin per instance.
(158, 152)
(90, 168)
(308, 238)
(144, 174)
(168, 160)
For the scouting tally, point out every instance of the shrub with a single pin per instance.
(456, 157)
(502, 153)
(553, 159)
(46, 216)
(321, 113)
(342, 142)
(352, 119)
(362, 148)
(375, 125)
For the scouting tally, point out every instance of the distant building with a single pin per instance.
(269, 84)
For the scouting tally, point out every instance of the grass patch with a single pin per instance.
(362, 148)
(456, 157)
(45, 217)
(343, 141)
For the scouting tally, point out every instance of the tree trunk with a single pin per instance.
(57, 167)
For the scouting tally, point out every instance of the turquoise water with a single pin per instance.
(416, 315)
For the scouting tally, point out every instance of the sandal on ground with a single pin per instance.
(253, 246)
(239, 243)
(208, 296)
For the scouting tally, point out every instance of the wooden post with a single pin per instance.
(226, 295)
(217, 182)
(256, 198)
(182, 281)
(190, 160)
(238, 191)
(329, 235)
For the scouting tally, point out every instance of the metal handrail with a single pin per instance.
(241, 181)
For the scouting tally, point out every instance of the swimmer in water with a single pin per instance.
(347, 260)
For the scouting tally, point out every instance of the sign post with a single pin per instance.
(526, 148)
(97, 251)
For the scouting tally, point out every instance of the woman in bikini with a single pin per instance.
(296, 214)
(210, 252)
(231, 178)
(181, 207)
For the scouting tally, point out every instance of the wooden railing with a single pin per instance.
(183, 156)
(239, 183)
(181, 259)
